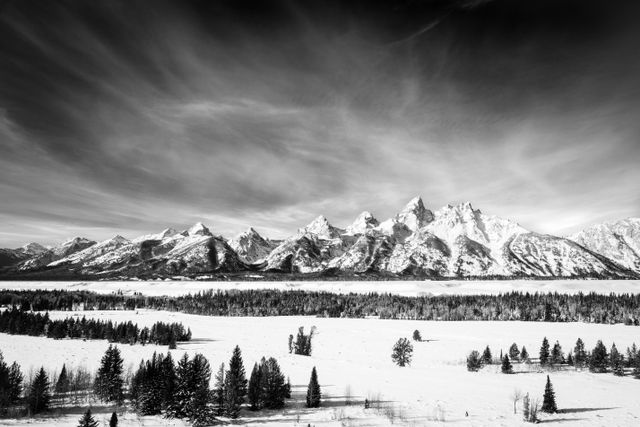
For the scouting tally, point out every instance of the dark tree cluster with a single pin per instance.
(17, 322)
(267, 386)
(302, 343)
(154, 384)
(548, 307)
(10, 384)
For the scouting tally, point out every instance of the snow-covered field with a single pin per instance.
(355, 353)
(408, 288)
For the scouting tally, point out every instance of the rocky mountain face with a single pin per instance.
(619, 241)
(454, 241)
(251, 247)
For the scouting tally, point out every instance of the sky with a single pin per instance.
(127, 117)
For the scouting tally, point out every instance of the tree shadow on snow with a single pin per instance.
(561, 420)
(579, 410)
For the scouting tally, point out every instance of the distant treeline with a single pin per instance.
(548, 307)
(18, 322)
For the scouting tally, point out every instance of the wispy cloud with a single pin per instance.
(115, 117)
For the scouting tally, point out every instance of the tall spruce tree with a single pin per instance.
(39, 397)
(200, 410)
(235, 385)
(15, 382)
(218, 391)
(487, 358)
(183, 388)
(549, 399)
(274, 389)
(557, 356)
(62, 385)
(506, 368)
(87, 420)
(109, 383)
(544, 352)
(599, 359)
(254, 393)
(5, 399)
(616, 361)
(113, 421)
(524, 355)
(579, 354)
(313, 390)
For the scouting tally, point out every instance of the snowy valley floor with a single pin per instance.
(355, 353)
(406, 288)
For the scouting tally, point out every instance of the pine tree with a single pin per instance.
(235, 385)
(544, 352)
(109, 383)
(579, 354)
(549, 399)
(313, 391)
(514, 353)
(617, 361)
(113, 422)
(38, 398)
(487, 358)
(218, 391)
(15, 382)
(5, 399)
(402, 352)
(168, 380)
(598, 361)
(417, 336)
(87, 420)
(62, 386)
(507, 368)
(254, 393)
(200, 410)
(275, 389)
(474, 363)
(183, 388)
(524, 355)
(557, 356)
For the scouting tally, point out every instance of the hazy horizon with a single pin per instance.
(120, 118)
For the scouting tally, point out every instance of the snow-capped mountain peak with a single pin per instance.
(414, 215)
(199, 229)
(365, 221)
(321, 228)
(251, 246)
(32, 249)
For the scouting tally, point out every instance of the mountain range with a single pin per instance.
(452, 242)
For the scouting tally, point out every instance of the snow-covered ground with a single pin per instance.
(355, 354)
(409, 288)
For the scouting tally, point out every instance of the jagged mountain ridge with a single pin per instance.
(454, 241)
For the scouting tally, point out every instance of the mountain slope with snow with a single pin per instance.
(251, 246)
(618, 241)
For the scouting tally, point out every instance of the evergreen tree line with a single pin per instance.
(598, 360)
(549, 307)
(17, 322)
(182, 390)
